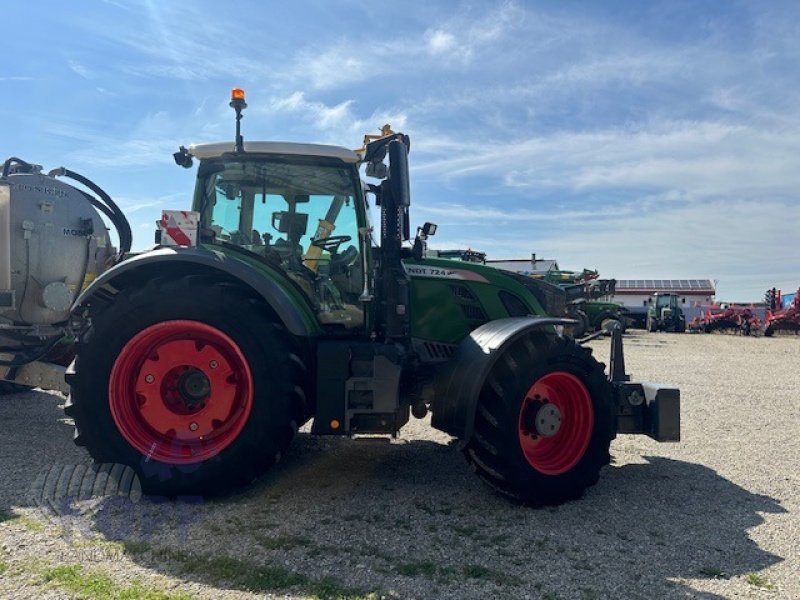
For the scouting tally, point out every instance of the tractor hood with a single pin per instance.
(474, 293)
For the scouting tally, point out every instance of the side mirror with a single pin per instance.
(429, 229)
(183, 158)
(398, 174)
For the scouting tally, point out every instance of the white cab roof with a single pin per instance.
(203, 151)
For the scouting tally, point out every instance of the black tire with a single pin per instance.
(495, 450)
(276, 397)
(769, 331)
(7, 387)
(681, 327)
(582, 326)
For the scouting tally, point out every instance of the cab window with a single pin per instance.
(302, 219)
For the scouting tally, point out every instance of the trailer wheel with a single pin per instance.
(189, 382)
(544, 422)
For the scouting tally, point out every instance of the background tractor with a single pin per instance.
(665, 314)
(583, 290)
(271, 303)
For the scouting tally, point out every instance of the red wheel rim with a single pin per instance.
(572, 421)
(180, 392)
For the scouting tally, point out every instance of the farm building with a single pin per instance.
(636, 293)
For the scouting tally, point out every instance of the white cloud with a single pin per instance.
(440, 42)
(703, 158)
(80, 69)
(338, 123)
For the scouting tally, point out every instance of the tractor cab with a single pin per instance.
(665, 304)
(665, 314)
(296, 207)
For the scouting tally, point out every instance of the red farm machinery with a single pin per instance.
(731, 319)
(783, 314)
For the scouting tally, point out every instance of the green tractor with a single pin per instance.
(583, 292)
(594, 315)
(197, 361)
(664, 314)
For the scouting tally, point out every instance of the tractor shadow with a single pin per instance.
(410, 520)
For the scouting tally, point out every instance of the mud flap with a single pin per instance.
(459, 381)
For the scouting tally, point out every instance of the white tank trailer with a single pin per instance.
(53, 243)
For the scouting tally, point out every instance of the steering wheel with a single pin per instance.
(332, 243)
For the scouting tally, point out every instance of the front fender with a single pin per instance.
(459, 381)
(292, 310)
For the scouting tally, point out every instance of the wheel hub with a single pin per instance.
(548, 420)
(541, 418)
(194, 386)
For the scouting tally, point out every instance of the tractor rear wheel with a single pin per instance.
(188, 381)
(544, 421)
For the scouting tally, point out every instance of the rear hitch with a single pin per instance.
(649, 408)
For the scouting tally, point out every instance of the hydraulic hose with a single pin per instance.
(11, 161)
(110, 208)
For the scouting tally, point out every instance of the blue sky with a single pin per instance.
(644, 139)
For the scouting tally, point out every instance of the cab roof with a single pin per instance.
(215, 150)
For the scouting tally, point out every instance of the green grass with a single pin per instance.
(254, 577)
(242, 574)
(7, 516)
(759, 581)
(3, 567)
(98, 586)
(135, 547)
(415, 569)
(31, 524)
(714, 572)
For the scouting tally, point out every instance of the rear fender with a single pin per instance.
(459, 381)
(296, 316)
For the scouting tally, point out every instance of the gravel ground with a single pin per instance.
(714, 516)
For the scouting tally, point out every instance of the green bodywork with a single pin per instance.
(438, 302)
(597, 311)
(273, 274)
(442, 313)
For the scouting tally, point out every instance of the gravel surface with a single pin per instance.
(714, 516)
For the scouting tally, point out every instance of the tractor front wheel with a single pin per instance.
(544, 422)
(189, 382)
